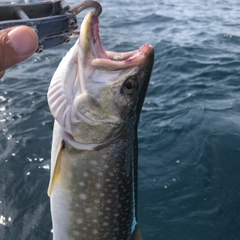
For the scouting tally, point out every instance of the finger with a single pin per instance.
(16, 45)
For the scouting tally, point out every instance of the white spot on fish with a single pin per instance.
(76, 233)
(109, 201)
(85, 174)
(106, 234)
(100, 174)
(95, 220)
(107, 209)
(102, 194)
(82, 184)
(88, 210)
(79, 221)
(107, 180)
(95, 231)
(98, 185)
(83, 196)
(97, 201)
(105, 224)
(93, 162)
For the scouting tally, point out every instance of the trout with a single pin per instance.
(96, 97)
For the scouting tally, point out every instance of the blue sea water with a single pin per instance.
(189, 131)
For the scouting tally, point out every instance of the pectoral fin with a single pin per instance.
(136, 235)
(57, 169)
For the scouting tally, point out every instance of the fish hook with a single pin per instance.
(79, 7)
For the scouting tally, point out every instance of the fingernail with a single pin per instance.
(23, 40)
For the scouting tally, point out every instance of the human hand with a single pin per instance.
(16, 45)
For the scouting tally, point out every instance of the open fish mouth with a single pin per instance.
(94, 54)
(94, 92)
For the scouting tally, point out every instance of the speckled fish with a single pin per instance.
(96, 98)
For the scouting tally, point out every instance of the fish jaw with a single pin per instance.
(92, 52)
(89, 44)
(93, 57)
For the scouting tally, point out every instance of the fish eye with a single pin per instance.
(130, 86)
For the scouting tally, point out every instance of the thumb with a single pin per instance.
(16, 45)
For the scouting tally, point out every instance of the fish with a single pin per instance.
(96, 97)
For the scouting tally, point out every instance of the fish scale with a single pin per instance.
(100, 191)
